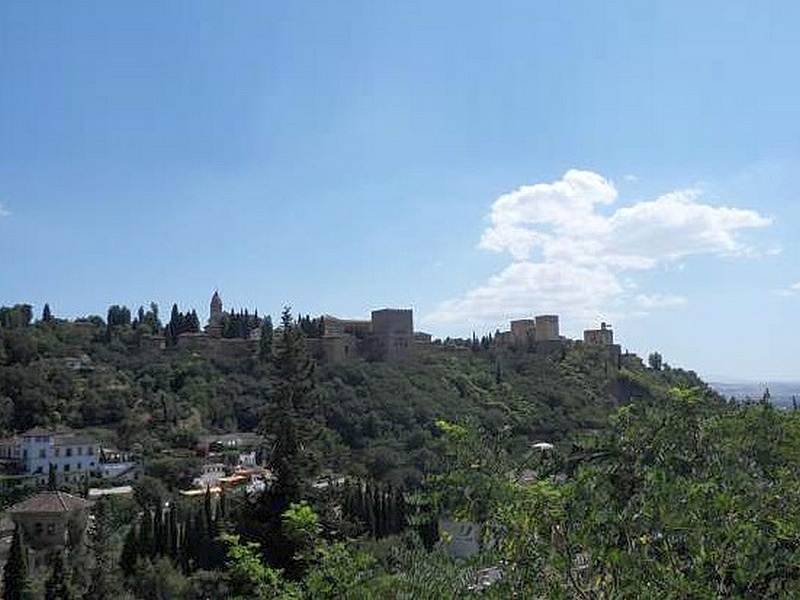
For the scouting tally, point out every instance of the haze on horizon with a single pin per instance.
(633, 163)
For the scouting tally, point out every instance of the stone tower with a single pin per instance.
(215, 316)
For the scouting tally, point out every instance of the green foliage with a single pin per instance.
(15, 572)
(179, 323)
(106, 575)
(474, 478)
(301, 522)
(686, 497)
(118, 316)
(248, 576)
(19, 315)
(57, 586)
(341, 572)
(158, 579)
(293, 421)
(654, 361)
(240, 324)
(47, 314)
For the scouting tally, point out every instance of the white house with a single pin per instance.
(71, 454)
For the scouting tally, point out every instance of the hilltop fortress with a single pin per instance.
(388, 335)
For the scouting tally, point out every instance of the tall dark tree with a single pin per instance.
(19, 315)
(655, 361)
(47, 315)
(57, 586)
(15, 572)
(51, 477)
(266, 338)
(131, 551)
(293, 421)
(118, 316)
(105, 571)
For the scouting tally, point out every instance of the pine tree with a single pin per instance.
(294, 418)
(47, 315)
(15, 572)
(265, 352)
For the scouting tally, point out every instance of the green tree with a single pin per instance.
(293, 420)
(248, 577)
(105, 574)
(57, 585)
(265, 351)
(47, 315)
(655, 361)
(51, 477)
(118, 316)
(131, 551)
(15, 573)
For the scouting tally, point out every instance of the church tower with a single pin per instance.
(215, 316)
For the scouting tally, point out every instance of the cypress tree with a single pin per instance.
(208, 513)
(146, 541)
(57, 587)
(51, 477)
(15, 574)
(192, 542)
(130, 552)
(105, 579)
(159, 533)
(173, 542)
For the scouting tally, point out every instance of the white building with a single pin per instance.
(72, 455)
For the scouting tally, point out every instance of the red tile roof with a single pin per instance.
(50, 502)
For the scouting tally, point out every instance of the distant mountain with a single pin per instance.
(781, 392)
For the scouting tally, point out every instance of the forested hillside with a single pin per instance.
(379, 417)
(580, 473)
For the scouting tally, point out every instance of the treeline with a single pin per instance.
(187, 535)
(447, 436)
(379, 417)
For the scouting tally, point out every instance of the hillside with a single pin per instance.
(651, 484)
(380, 417)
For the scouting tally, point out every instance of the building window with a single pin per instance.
(69, 451)
(42, 453)
(38, 528)
(80, 451)
(58, 452)
(51, 529)
(80, 466)
(66, 468)
(90, 451)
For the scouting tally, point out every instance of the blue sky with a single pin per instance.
(633, 162)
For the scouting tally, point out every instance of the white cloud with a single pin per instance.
(4, 212)
(630, 178)
(575, 256)
(792, 290)
(659, 301)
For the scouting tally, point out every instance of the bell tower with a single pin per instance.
(215, 316)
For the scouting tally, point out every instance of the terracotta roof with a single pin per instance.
(49, 502)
